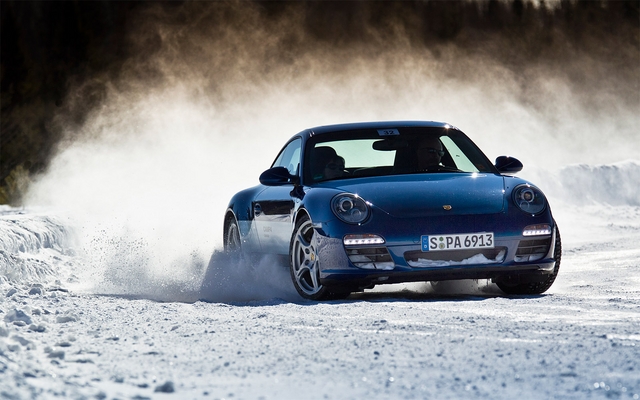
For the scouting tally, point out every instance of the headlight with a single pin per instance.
(350, 208)
(529, 199)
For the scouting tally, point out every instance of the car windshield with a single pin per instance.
(373, 152)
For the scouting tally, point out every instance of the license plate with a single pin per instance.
(483, 240)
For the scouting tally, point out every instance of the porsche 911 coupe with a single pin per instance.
(356, 205)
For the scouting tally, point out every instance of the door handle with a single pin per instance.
(257, 209)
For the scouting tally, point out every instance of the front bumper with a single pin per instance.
(515, 258)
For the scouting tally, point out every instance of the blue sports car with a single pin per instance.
(357, 205)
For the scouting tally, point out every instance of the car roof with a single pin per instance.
(378, 125)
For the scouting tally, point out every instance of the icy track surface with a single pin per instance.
(254, 339)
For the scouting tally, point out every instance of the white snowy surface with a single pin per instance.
(91, 319)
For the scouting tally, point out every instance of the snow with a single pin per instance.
(236, 328)
(476, 259)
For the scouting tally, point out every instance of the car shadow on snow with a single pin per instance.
(464, 290)
(241, 279)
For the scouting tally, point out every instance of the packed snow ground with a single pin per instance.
(225, 328)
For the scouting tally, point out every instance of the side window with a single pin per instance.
(289, 157)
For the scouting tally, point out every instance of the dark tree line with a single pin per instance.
(46, 46)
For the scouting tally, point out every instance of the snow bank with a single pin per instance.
(33, 247)
(31, 233)
(582, 184)
(615, 184)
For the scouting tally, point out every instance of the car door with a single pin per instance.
(273, 207)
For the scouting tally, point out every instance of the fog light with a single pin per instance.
(537, 230)
(354, 240)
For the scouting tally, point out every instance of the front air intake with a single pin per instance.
(370, 257)
(532, 250)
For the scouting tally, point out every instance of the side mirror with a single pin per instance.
(508, 165)
(277, 176)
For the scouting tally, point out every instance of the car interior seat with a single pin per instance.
(405, 159)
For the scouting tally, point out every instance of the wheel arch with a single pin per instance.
(228, 216)
(300, 213)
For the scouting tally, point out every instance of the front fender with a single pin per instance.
(240, 203)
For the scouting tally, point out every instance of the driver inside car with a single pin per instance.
(429, 153)
(334, 168)
(326, 164)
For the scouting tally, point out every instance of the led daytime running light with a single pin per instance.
(537, 230)
(353, 240)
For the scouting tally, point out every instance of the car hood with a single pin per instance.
(435, 194)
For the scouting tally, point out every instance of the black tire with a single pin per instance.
(304, 264)
(232, 243)
(537, 287)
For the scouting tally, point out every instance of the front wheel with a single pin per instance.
(305, 264)
(537, 287)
